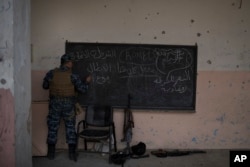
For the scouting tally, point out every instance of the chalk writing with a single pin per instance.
(102, 80)
(156, 75)
(92, 54)
(167, 68)
(137, 56)
(98, 67)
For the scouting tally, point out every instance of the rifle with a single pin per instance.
(128, 124)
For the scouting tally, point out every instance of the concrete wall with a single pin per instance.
(221, 31)
(7, 113)
(15, 84)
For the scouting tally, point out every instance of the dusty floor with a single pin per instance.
(212, 158)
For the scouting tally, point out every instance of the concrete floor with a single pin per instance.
(212, 158)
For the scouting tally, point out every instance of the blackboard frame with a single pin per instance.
(72, 48)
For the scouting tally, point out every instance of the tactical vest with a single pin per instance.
(61, 85)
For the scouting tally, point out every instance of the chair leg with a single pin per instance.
(114, 136)
(110, 149)
(85, 144)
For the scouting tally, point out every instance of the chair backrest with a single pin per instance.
(99, 115)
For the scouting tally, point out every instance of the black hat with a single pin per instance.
(65, 58)
(139, 149)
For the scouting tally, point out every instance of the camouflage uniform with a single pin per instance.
(62, 107)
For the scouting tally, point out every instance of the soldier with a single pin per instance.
(62, 85)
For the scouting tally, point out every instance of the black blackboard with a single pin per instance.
(155, 76)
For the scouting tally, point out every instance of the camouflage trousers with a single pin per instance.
(61, 108)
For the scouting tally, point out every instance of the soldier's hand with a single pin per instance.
(89, 79)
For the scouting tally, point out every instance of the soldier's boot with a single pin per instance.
(72, 152)
(51, 151)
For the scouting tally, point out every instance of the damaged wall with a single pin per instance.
(15, 84)
(7, 113)
(221, 31)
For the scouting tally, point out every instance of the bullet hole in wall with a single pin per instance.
(139, 34)
(192, 21)
(198, 34)
(3, 81)
(155, 37)
(163, 32)
(1, 59)
(237, 66)
(209, 62)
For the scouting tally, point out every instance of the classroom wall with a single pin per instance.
(219, 28)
